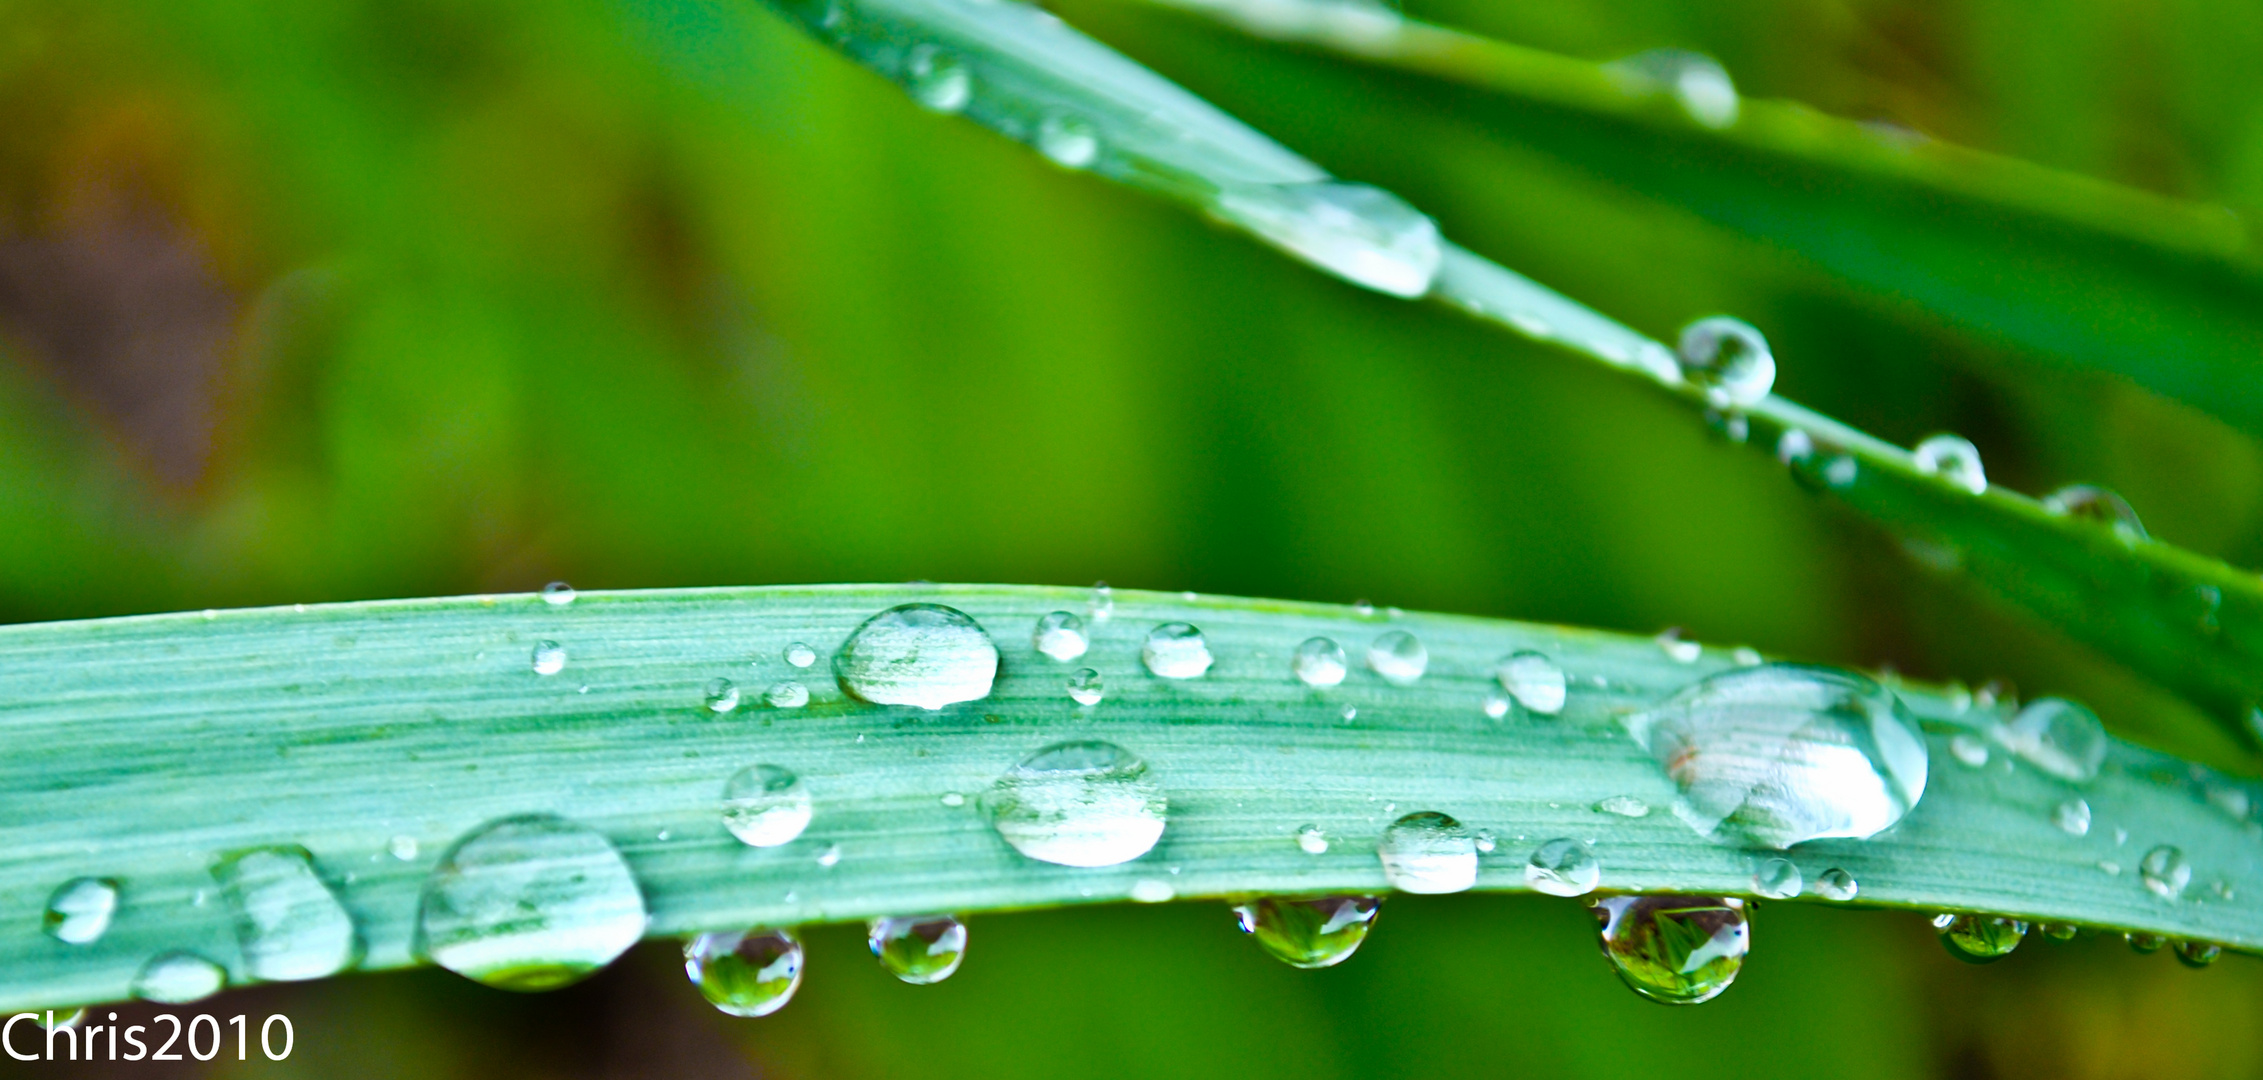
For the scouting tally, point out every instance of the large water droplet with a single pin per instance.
(79, 912)
(1082, 803)
(1836, 884)
(2058, 737)
(529, 903)
(1777, 879)
(291, 925)
(1309, 932)
(925, 655)
(1952, 459)
(2198, 954)
(1070, 140)
(1319, 662)
(549, 658)
(938, 79)
(1563, 867)
(1363, 234)
(2096, 504)
(1728, 359)
(1086, 687)
(1679, 950)
(1534, 680)
(1428, 852)
(1979, 939)
(745, 972)
(1783, 753)
(177, 978)
(1060, 635)
(1399, 657)
(2165, 871)
(765, 805)
(2073, 816)
(1176, 651)
(919, 949)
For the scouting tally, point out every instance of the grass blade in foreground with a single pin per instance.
(171, 754)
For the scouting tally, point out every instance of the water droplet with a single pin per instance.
(1534, 680)
(2096, 504)
(1363, 609)
(919, 949)
(1969, 749)
(1836, 884)
(953, 798)
(177, 978)
(549, 658)
(1070, 140)
(1152, 891)
(800, 655)
(1485, 842)
(1399, 657)
(2165, 871)
(745, 972)
(786, 695)
(1086, 687)
(1101, 607)
(1309, 932)
(2073, 816)
(1428, 852)
(1979, 939)
(1349, 713)
(2111, 867)
(1784, 753)
(924, 655)
(1357, 232)
(1624, 806)
(1794, 446)
(79, 912)
(1081, 803)
(1747, 656)
(1777, 879)
(1952, 459)
(529, 903)
(2059, 931)
(1319, 662)
(1563, 867)
(766, 805)
(2145, 944)
(1727, 359)
(722, 695)
(291, 925)
(558, 594)
(1698, 83)
(1496, 705)
(2058, 737)
(403, 848)
(1060, 635)
(938, 79)
(1679, 950)
(830, 857)
(1176, 650)
(2198, 954)
(1681, 652)
(1312, 840)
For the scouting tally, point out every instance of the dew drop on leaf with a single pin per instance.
(766, 805)
(1836, 884)
(1953, 459)
(1060, 636)
(1079, 803)
(1563, 867)
(558, 594)
(290, 924)
(1070, 140)
(78, 912)
(177, 978)
(1312, 841)
(1979, 939)
(549, 658)
(1319, 662)
(2165, 871)
(1357, 232)
(937, 78)
(1428, 852)
(1176, 650)
(2058, 737)
(1623, 806)
(918, 949)
(923, 655)
(722, 695)
(1534, 680)
(2072, 817)
(1308, 932)
(2088, 502)
(745, 972)
(1086, 687)
(800, 655)
(1399, 657)
(529, 903)
(1676, 950)
(1777, 879)
(2198, 954)
(787, 694)
(1727, 359)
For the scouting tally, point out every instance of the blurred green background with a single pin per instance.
(371, 298)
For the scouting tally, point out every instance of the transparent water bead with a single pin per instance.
(1060, 636)
(1699, 84)
(1676, 950)
(2198, 954)
(177, 978)
(1563, 867)
(1728, 359)
(290, 924)
(1428, 852)
(1534, 680)
(1152, 891)
(1836, 884)
(924, 655)
(1784, 753)
(78, 913)
(403, 847)
(1309, 932)
(1399, 657)
(1624, 806)
(2165, 871)
(745, 972)
(938, 79)
(2072, 817)
(1319, 662)
(2058, 737)
(529, 903)
(786, 695)
(558, 594)
(1101, 605)
(1086, 687)
(1969, 749)
(1176, 650)
(1953, 459)
(800, 655)
(2145, 944)
(2089, 502)
(1777, 879)
(1357, 232)
(1080, 803)
(919, 949)
(766, 805)
(1681, 652)
(1497, 705)
(1070, 140)
(722, 695)
(1979, 939)
(549, 658)
(1312, 841)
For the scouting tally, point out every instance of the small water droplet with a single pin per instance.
(2058, 737)
(766, 805)
(1624, 806)
(1563, 867)
(1319, 662)
(830, 857)
(403, 848)
(938, 79)
(923, 655)
(1953, 459)
(1534, 680)
(1679, 950)
(1794, 447)
(1969, 749)
(2232, 801)
(1428, 852)
(746, 972)
(921, 949)
(786, 695)
(1086, 687)
(1080, 803)
(529, 903)
(722, 695)
(1309, 932)
(291, 925)
(800, 655)
(549, 658)
(2090, 503)
(1176, 650)
(1349, 713)
(953, 798)
(1746, 656)
(79, 912)
(2073, 816)
(2111, 867)
(1777, 879)
(1485, 842)
(177, 978)
(2058, 931)
(1357, 232)
(1836, 884)
(558, 594)
(1070, 140)
(1728, 360)
(2198, 954)
(1312, 840)
(1152, 891)
(1060, 636)
(1681, 652)
(1399, 657)
(1363, 609)
(2145, 944)
(2165, 871)
(1979, 939)
(1101, 606)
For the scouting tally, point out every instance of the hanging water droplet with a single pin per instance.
(1979, 939)
(1176, 650)
(1727, 359)
(1081, 803)
(2058, 931)
(1319, 662)
(558, 594)
(919, 949)
(291, 925)
(1563, 867)
(2145, 944)
(2088, 502)
(924, 655)
(938, 79)
(1086, 687)
(1101, 606)
(79, 912)
(1428, 852)
(786, 695)
(1312, 840)
(1794, 446)
(1399, 657)
(1952, 459)
(2165, 871)
(1309, 932)
(1357, 232)
(1534, 680)
(1681, 652)
(1678, 950)
(1152, 891)
(529, 903)
(1784, 753)
(1060, 635)
(722, 695)
(1777, 879)
(1624, 806)
(1070, 140)
(745, 972)
(1969, 749)
(549, 658)
(177, 978)
(2198, 954)
(403, 848)
(2073, 816)
(800, 655)
(2058, 737)
(766, 805)
(1836, 884)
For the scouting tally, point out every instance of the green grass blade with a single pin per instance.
(145, 749)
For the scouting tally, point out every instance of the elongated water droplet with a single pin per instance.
(2145, 944)
(1777, 879)
(291, 925)
(1969, 749)
(1428, 852)
(1319, 662)
(1563, 867)
(1783, 753)
(1362, 234)
(1309, 932)
(1070, 140)
(2058, 737)
(1698, 83)
(1176, 651)
(2059, 931)
(1624, 806)
(1678, 950)
(919, 949)
(2165, 871)
(1727, 359)
(1081, 803)
(557, 594)
(2091, 503)
(1953, 459)
(1153, 891)
(1312, 841)
(766, 805)
(1399, 657)
(937, 79)
(1534, 680)
(924, 655)
(722, 695)
(1060, 635)
(177, 978)
(549, 658)
(800, 655)
(1979, 939)
(2073, 816)
(745, 972)
(2198, 954)
(79, 912)
(786, 695)
(1101, 606)
(529, 903)
(1086, 687)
